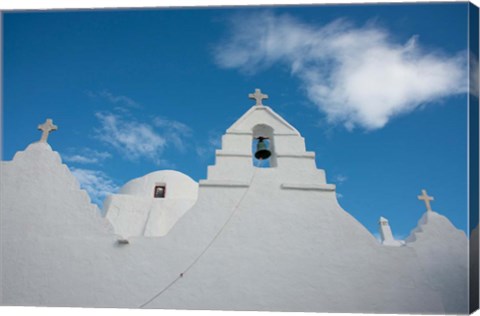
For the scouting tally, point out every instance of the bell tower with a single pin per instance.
(282, 145)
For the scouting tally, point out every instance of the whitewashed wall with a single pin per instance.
(256, 239)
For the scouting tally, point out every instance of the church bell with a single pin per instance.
(262, 150)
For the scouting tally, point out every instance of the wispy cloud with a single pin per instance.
(339, 179)
(119, 100)
(135, 139)
(207, 148)
(132, 138)
(86, 156)
(96, 183)
(177, 132)
(357, 76)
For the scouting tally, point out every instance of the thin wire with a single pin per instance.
(148, 218)
(259, 163)
(162, 291)
(181, 275)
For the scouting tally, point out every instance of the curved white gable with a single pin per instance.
(179, 185)
(136, 212)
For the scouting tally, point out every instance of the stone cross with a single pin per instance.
(46, 128)
(424, 197)
(258, 96)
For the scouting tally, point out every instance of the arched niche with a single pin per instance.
(265, 131)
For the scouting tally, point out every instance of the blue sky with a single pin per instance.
(378, 92)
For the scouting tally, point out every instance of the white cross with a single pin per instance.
(424, 197)
(258, 96)
(46, 128)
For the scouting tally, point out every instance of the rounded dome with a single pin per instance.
(176, 185)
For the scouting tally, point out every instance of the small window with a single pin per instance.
(159, 191)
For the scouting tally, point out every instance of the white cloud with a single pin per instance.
(96, 183)
(86, 156)
(132, 138)
(215, 140)
(120, 100)
(172, 124)
(177, 132)
(206, 149)
(357, 76)
(340, 179)
(136, 139)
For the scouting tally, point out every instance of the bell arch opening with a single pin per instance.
(263, 146)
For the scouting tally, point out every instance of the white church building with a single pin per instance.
(245, 238)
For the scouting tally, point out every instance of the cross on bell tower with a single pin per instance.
(424, 197)
(46, 128)
(258, 96)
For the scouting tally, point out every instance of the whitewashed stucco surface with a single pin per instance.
(443, 254)
(135, 212)
(256, 239)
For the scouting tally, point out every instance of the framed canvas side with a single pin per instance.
(473, 41)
